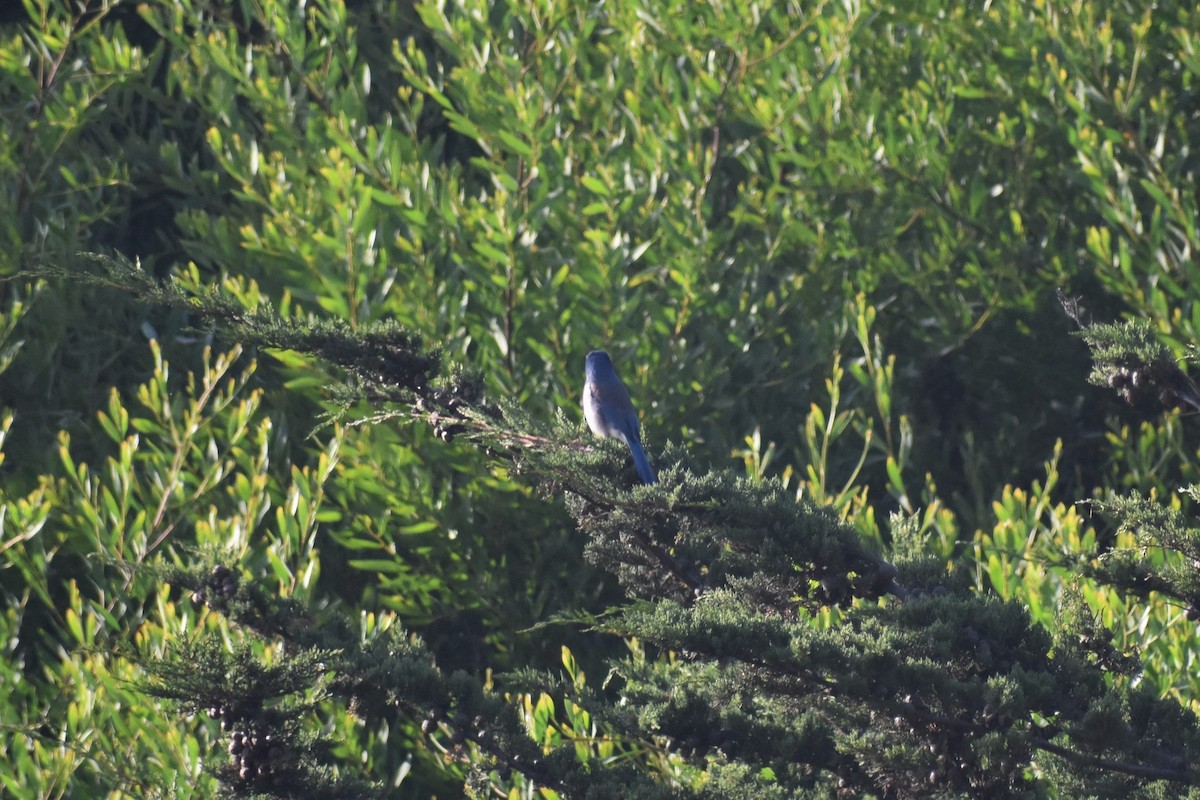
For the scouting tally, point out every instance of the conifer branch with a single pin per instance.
(391, 674)
(1142, 570)
(1129, 358)
(1145, 771)
(728, 569)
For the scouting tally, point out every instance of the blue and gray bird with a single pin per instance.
(609, 412)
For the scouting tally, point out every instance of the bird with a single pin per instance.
(609, 412)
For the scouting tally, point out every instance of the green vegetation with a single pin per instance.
(295, 494)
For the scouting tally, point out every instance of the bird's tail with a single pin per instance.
(639, 459)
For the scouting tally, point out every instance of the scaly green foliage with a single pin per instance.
(822, 242)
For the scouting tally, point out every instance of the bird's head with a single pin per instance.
(598, 364)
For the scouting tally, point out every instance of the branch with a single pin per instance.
(1111, 765)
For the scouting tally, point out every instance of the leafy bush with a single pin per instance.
(822, 242)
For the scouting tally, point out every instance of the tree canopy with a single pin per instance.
(297, 497)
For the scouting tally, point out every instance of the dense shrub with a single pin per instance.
(822, 242)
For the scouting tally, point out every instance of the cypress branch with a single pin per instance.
(931, 691)
(1129, 358)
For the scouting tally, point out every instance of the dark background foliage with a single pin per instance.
(821, 241)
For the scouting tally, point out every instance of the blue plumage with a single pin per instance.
(609, 412)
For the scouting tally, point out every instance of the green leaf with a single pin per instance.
(596, 185)
(514, 143)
